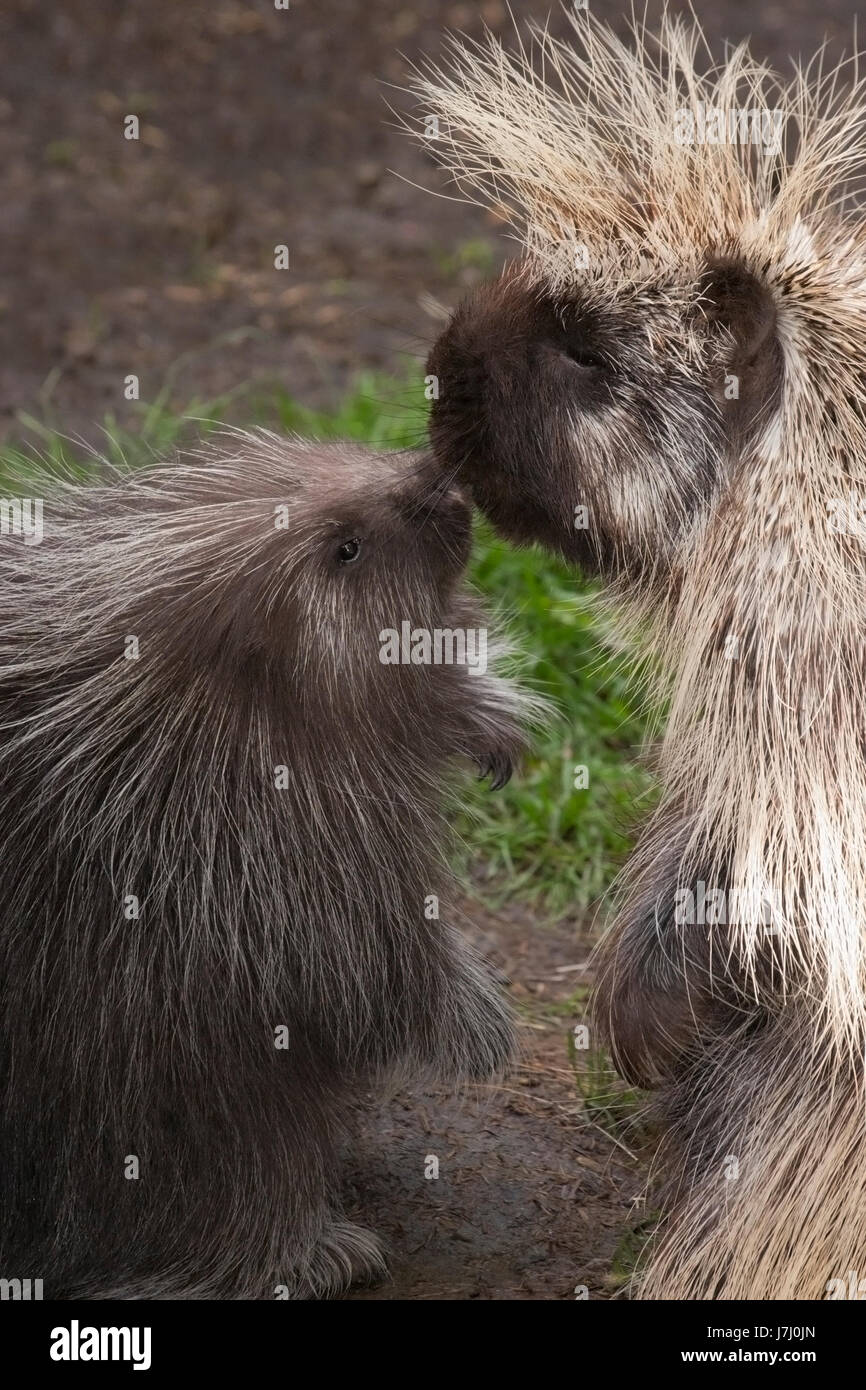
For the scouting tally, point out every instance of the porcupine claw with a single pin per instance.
(498, 767)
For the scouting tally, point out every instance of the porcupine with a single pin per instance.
(221, 820)
(680, 353)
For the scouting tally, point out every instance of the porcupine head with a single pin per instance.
(666, 387)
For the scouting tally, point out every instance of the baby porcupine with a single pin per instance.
(221, 819)
(669, 390)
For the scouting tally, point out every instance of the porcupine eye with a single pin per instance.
(349, 551)
(584, 357)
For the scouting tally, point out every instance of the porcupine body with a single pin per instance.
(669, 390)
(221, 819)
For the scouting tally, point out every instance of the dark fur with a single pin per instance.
(518, 370)
(305, 907)
(522, 374)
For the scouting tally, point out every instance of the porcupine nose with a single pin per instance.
(459, 368)
(436, 510)
(453, 500)
(485, 368)
(440, 491)
(509, 372)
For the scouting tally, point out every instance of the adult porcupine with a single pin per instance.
(681, 353)
(194, 714)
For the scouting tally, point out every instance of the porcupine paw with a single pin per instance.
(496, 764)
(343, 1256)
(484, 1040)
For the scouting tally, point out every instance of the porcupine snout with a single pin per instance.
(506, 368)
(574, 419)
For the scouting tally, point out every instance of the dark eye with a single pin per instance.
(583, 357)
(349, 551)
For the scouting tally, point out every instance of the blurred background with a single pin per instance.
(155, 257)
(258, 126)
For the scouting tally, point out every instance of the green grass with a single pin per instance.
(560, 842)
(475, 254)
(539, 836)
(608, 1100)
(630, 1251)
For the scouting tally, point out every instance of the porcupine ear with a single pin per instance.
(733, 297)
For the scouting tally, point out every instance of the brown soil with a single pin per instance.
(533, 1197)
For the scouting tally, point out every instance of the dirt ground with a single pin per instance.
(533, 1197)
(262, 127)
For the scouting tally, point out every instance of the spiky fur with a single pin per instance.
(153, 1036)
(754, 1031)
